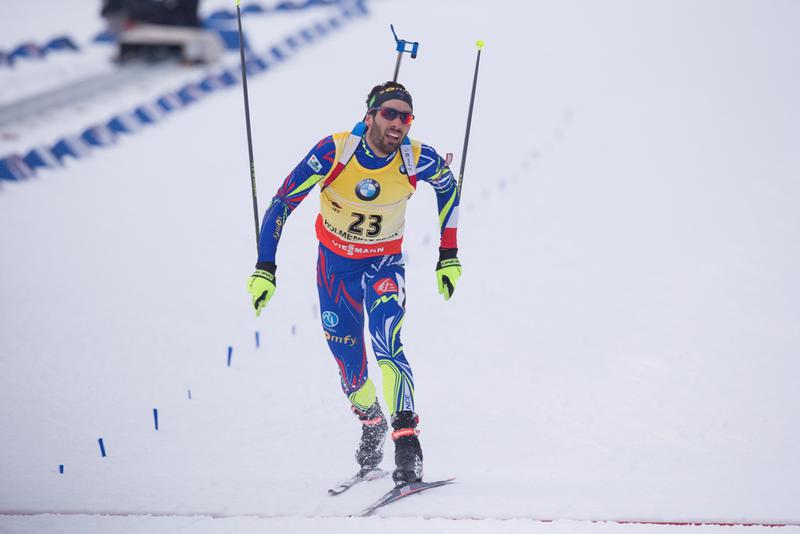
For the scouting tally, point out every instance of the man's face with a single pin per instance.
(385, 136)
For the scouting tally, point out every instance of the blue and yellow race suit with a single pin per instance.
(360, 264)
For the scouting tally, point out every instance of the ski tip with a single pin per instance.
(480, 44)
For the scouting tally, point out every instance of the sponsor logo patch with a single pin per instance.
(330, 319)
(385, 285)
(314, 163)
(368, 189)
(348, 340)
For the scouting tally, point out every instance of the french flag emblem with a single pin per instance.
(385, 285)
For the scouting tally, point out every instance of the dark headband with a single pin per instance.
(390, 93)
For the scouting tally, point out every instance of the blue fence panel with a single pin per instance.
(99, 136)
(41, 157)
(61, 43)
(120, 126)
(14, 168)
(253, 9)
(73, 147)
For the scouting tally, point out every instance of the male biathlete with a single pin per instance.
(365, 180)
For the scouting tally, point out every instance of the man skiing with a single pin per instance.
(366, 177)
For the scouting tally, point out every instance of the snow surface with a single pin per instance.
(623, 345)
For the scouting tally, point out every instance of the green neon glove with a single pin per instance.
(261, 285)
(448, 271)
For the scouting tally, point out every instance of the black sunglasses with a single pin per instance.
(391, 114)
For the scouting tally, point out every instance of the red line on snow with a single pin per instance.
(690, 523)
(218, 515)
(672, 523)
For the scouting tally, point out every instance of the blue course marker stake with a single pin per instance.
(190, 393)
(102, 448)
(230, 355)
(61, 468)
(155, 417)
(294, 329)
(258, 341)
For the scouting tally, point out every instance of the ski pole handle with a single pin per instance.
(479, 44)
(247, 123)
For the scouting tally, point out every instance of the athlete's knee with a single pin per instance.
(398, 384)
(386, 341)
(356, 384)
(349, 352)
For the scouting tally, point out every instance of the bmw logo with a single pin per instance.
(330, 319)
(368, 189)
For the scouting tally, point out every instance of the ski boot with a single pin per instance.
(373, 435)
(407, 450)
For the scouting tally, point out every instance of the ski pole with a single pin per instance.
(479, 44)
(247, 122)
(402, 46)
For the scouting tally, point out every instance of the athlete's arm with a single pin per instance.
(431, 168)
(315, 166)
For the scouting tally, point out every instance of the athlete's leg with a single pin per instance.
(341, 299)
(384, 286)
(342, 312)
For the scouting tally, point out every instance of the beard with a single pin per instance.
(382, 142)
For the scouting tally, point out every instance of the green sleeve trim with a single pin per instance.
(308, 184)
(446, 209)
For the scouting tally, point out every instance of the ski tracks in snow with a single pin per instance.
(200, 522)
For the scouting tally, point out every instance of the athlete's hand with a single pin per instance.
(448, 271)
(261, 285)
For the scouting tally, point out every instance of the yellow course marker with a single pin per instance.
(479, 44)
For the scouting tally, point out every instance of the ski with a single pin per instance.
(365, 475)
(404, 490)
